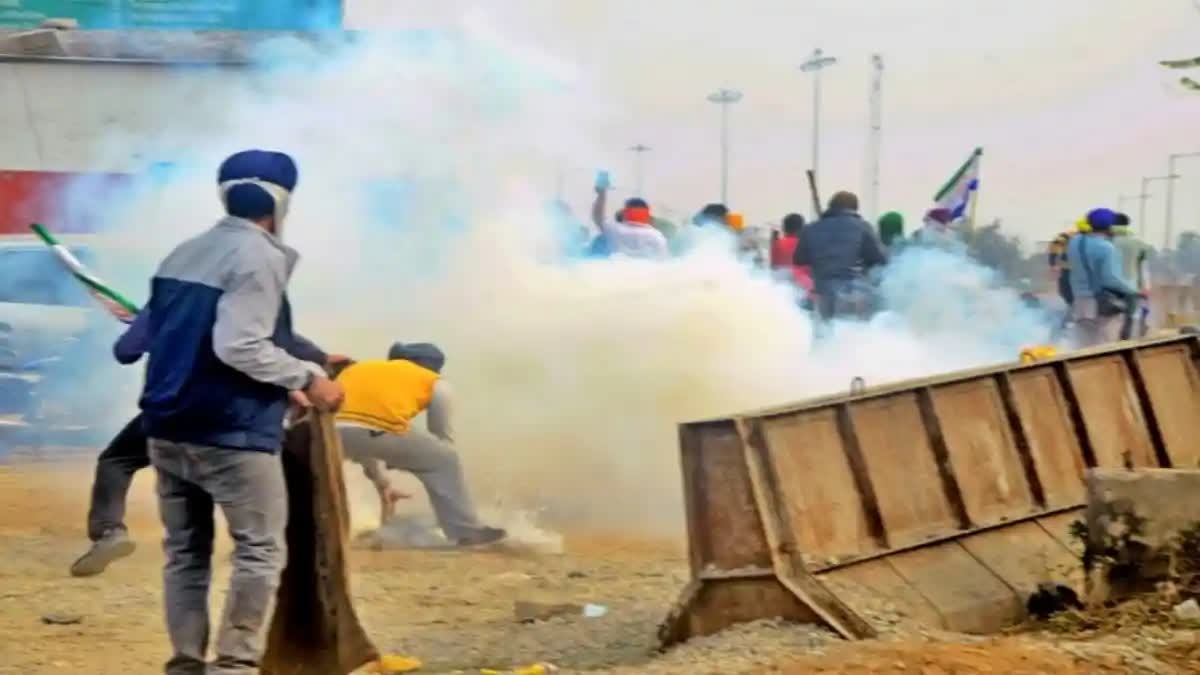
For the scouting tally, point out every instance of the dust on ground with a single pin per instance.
(454, 609)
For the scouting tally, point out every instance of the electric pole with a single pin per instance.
(1121, 199)
(638, 150)
(1169, 227)
(875, 137)
(815, 64)
(1146, 181)
(725, 98)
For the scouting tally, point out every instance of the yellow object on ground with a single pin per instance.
(535, 669)
(1033, 354)
(393, 663)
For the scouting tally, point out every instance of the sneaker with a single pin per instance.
(114, 545)
(484, 536)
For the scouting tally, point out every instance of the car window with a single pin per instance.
(34, 276)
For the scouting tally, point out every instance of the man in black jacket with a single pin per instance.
(840, 248)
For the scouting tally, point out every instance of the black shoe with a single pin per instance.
(484, 536)
(114, 545)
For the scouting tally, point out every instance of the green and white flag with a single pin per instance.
(114, 302)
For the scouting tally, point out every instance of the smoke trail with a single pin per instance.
(418, 219)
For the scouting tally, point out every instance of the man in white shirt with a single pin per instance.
(632, 233)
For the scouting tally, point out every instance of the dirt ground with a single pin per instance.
(454, 610)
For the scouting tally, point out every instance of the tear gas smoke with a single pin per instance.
(418, 218)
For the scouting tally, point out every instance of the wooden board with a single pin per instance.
(315, 630)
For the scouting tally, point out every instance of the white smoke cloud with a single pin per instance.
(419, 216)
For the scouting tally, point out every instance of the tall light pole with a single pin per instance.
(1121, 199)
(815, 64)
(1146, 181)
(638, 150)
(875, 139)
(1168, 230)
(725, 98)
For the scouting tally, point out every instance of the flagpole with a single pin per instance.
(975, 197)
(974, 206)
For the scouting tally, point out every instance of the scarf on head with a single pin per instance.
(277, 192)
(637, 216)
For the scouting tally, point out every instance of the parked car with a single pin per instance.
(49, 328)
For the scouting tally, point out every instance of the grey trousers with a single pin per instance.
(434, 462)
(1091, 329)
(249, 488)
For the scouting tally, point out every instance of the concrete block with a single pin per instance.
(1161, 502)
(1133, 516)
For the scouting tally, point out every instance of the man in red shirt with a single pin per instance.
(783, 250)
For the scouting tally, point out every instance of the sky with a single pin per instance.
(1065, 97)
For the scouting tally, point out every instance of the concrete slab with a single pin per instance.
(1166, 498)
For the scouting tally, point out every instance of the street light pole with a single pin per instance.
(1169, 228)
(725, 98)
(1121, 199)
(815, 64)
(1146, 181)
(637, 151)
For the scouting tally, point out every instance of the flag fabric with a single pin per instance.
(957, 193)
(114, 302)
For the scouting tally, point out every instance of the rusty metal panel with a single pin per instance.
(1111, 412)
(822, 505)
(1059, 526)
(713, 606)
(982, 452)
(969, 596)
(950, 498)
(723, 518)
(1053, 445)
(1023, 555)
(1173, 387)
(900, 464)
(876, 582)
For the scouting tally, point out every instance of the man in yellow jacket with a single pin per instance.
(375, 423)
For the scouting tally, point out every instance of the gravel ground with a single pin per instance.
(454, 610)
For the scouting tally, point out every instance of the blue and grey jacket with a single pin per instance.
(220, 333)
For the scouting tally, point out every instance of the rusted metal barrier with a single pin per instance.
(948, 498)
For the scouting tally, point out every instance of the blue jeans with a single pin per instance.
(249, 487)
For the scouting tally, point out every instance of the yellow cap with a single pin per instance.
(1082, 225)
